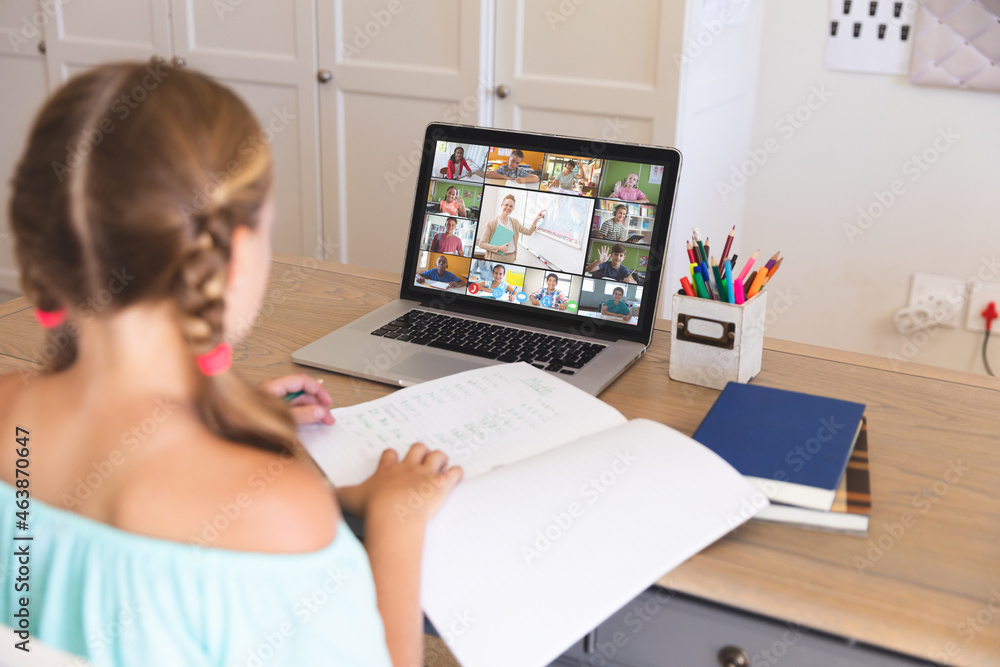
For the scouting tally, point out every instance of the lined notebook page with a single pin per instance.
(521, 563)
(481, 419)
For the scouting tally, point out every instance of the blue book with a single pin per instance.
(794, 447)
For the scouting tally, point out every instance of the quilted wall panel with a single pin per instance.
(957, 44)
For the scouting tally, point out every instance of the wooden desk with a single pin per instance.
(932, 557)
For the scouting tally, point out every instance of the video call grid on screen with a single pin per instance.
(583, 228)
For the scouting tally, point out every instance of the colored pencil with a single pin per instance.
(758, 282)
(718, 277)
(700, 284)
(773, 270)
(747, 283)
(728, 270)
(690, 252)
(739, 292)
(728, 245)
(697, 253)
(771, 261)
(743, 273)
(706, 277)
(686, 284)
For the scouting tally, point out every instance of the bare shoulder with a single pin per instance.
(221, 494)
(9, 385)
(11, 417)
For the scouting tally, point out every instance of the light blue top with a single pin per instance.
(118, 598)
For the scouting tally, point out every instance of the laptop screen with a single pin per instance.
(549, 229)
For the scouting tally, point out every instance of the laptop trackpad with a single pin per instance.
(430, 366)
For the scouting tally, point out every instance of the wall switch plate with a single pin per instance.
(980, 295)
(929, 289)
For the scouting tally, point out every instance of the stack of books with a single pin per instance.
(808, 454)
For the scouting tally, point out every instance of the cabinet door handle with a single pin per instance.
(41, 47)
(179, 62)
(733, 656)
(155, 60)
(503, 90)
(324, 76)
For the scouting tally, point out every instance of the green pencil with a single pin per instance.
(699, 284)
(719, 281)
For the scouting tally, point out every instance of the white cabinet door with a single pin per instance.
(266, 53)
(24, 82)
(396, 65)
(599, 69)
(81, 34)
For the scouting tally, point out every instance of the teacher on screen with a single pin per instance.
(508, 251)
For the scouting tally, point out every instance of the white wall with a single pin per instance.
(718, 67)
(840, 284)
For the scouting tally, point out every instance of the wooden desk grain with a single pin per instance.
(925, 581)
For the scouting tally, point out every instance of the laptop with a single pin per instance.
(515, 254)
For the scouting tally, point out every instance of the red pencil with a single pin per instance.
(729, 244)
(686, 284)
(691, 253)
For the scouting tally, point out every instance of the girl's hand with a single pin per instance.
(311, 407)
(417, 486)
(618, 186)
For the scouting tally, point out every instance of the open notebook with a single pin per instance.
(567, 510)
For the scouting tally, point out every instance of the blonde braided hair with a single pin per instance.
(162, 192)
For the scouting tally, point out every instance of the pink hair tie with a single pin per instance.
(50, 319)
(217, 361)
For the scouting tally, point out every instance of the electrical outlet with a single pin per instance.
(929, 290)
(980, 295)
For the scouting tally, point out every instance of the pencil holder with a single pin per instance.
(712, 342)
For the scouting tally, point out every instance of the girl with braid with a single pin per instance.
(169, 498)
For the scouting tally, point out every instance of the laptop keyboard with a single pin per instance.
(491, 341)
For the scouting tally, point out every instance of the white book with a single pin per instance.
(566, 512)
